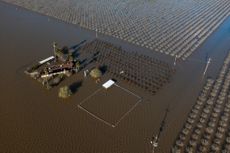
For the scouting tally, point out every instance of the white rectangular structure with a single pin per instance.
(108, 84)
(46, 60)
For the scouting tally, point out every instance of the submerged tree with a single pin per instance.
(96, 74)
(64, 92)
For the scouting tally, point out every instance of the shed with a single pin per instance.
(108, 84)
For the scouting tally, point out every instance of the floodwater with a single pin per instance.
(33, 119)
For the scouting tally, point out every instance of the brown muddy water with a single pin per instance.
(33, 119)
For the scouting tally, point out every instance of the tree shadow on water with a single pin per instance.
(103, 69)
(78, 45)
(76, 48)
(75, 86)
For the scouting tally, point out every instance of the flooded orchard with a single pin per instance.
(34, 119)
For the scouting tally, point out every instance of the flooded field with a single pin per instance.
(207, 126)
(34, 119)
(174, 27)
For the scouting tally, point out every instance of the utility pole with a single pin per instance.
(96, 33)
(207, 65)
(175, 60)
(154, 143)
(54, 47)
(155, 139)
